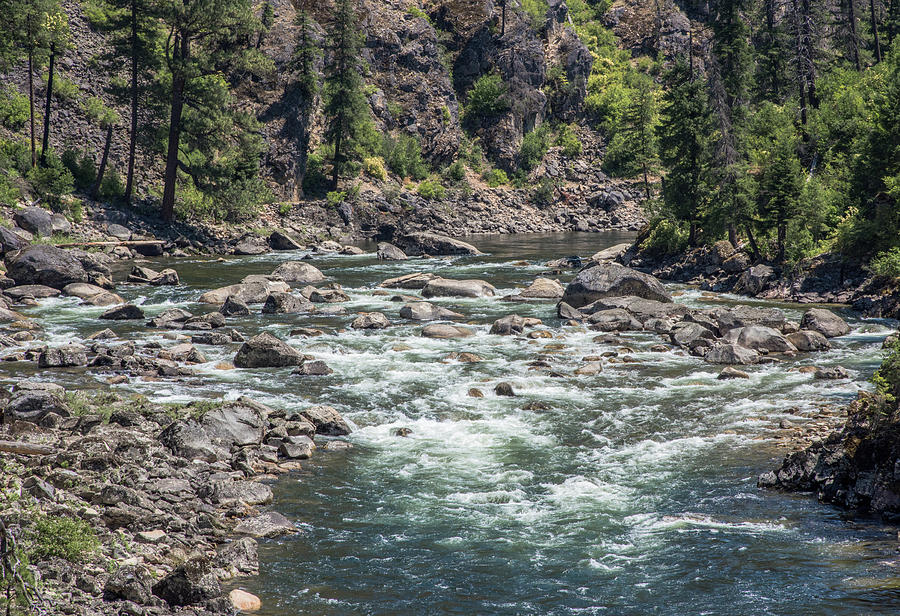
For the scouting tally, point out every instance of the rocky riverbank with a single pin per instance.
(163, 504)
(825, 279)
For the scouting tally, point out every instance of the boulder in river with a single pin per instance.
(825, 322)
(730, 354)
(808, 340)
(33, 291)
(611, 254)
(286, 303)
(327, 420)
(445, 287)
(298, 272)
(280, 240)
(445, 330)
(126, 312)
(612, 280)
(266, 351)
(315, 367)
(832, 373)
(234, 307)
(255, 291)
(754, 280)
(426, 311)
(236, 424)
(729, 372)
(389, 252)
(66, 356)
(504, 389)
(370, 320)
(424, 242)
(613, 320)
(265, 526)
(416, 280)
(761, 338)
(542, 288)
(508, 325)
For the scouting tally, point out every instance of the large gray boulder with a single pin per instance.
(614, 320)
(755, 280)
(67, 356)
(35, 220)
(279, 240)
(642, 309)
(236, 424)
(252, 292)
(190, 583)
(825, 322)
(327, 420)
(286, 303)
(426, 311)
(424, 242)
(10, 242)
(807, 340)
(416, 280)
(33, 404)
(46, 265)
(389, 252)
(542, 288)
(266, 525)
(445, 287)
(731, 354)
(190, 440)
(612, 280)
(743, 316)
(267, 351)
(761, 338)
(298, 272)
(445, 330)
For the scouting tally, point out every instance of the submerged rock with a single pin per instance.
(370, 320)
(426, 311)
(126, 312)
(424, 242)
(445, 287)
(444, 330)
(416, 280)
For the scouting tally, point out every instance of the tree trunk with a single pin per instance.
(854, 40)
(177, 107)
(782, 233)
(802, 74)
(503, 18)
(303, 150)
(45, 142)
(95, 191)
(806, 33)
(875, 31)
(754, 249)
(692, 235)
(732, 234)
(31, 104)
(773, 63)
(132, 138)
(339, 138)
(646, 181)
(892, 17)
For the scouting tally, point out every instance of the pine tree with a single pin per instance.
(346, 110)
(305, 64)
(640, 129)
(56, 25)
(780, 184)
(205, 38)
(684, 134)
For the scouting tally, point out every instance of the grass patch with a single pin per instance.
(68, 538)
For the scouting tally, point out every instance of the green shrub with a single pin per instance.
(335, 198)
(112, 187)
(456, 172)
(887, 377)
(403, 156)
(76, 211)
(82, 168)
(666, 238)
(445, 115)
(238, 202)
(537, 12)
(9, 193)
(315, 181)
(487, 98)
(395, 109)
(471, 152)
(63, 89)
(52, 181)
(15, 155)
(99, 14)
(60, 537)
(544, 193)
(534, 146)
(431, 190)
(374, 167)
(886, 264)
(496, 177)
(13, 108)
(285, 208)
(415, 11)
(568, 141)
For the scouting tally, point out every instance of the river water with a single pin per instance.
(633, 493)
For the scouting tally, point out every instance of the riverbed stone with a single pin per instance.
(67, 356)
(426, 311)
(328, 296)
(34, 291)
(613, 320)
(46, 265)
(445, 330)
(296, 447)
(234, 307)
(279, 240)
(35, 220)
(389, 252)
(504, 389)
(126, 312)
(266, 351)
(316, 367)
(542, 288)
(729, 372)
(286, 303)
(298, 272)
(731, 354)
(825, 322)
(807, 340)
(509, 325)
(244, 601)
(192, 582)
(425, 242)
(446, 287)
(612, 280)
(241, 423)
(253, 292)
(832, 373)
(416, 280)
(370, 320)
(761, 339)
(326, 419)
(188, 439)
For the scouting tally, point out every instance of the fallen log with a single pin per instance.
(115, 243)
(25, 449)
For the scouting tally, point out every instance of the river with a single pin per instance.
(633, 492)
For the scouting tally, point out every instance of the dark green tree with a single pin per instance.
(685, 130)
(205, 39)
(304, 63)
(779, 185)
(346, 110)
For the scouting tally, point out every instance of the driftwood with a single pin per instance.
(116, 243)
(25, 449)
